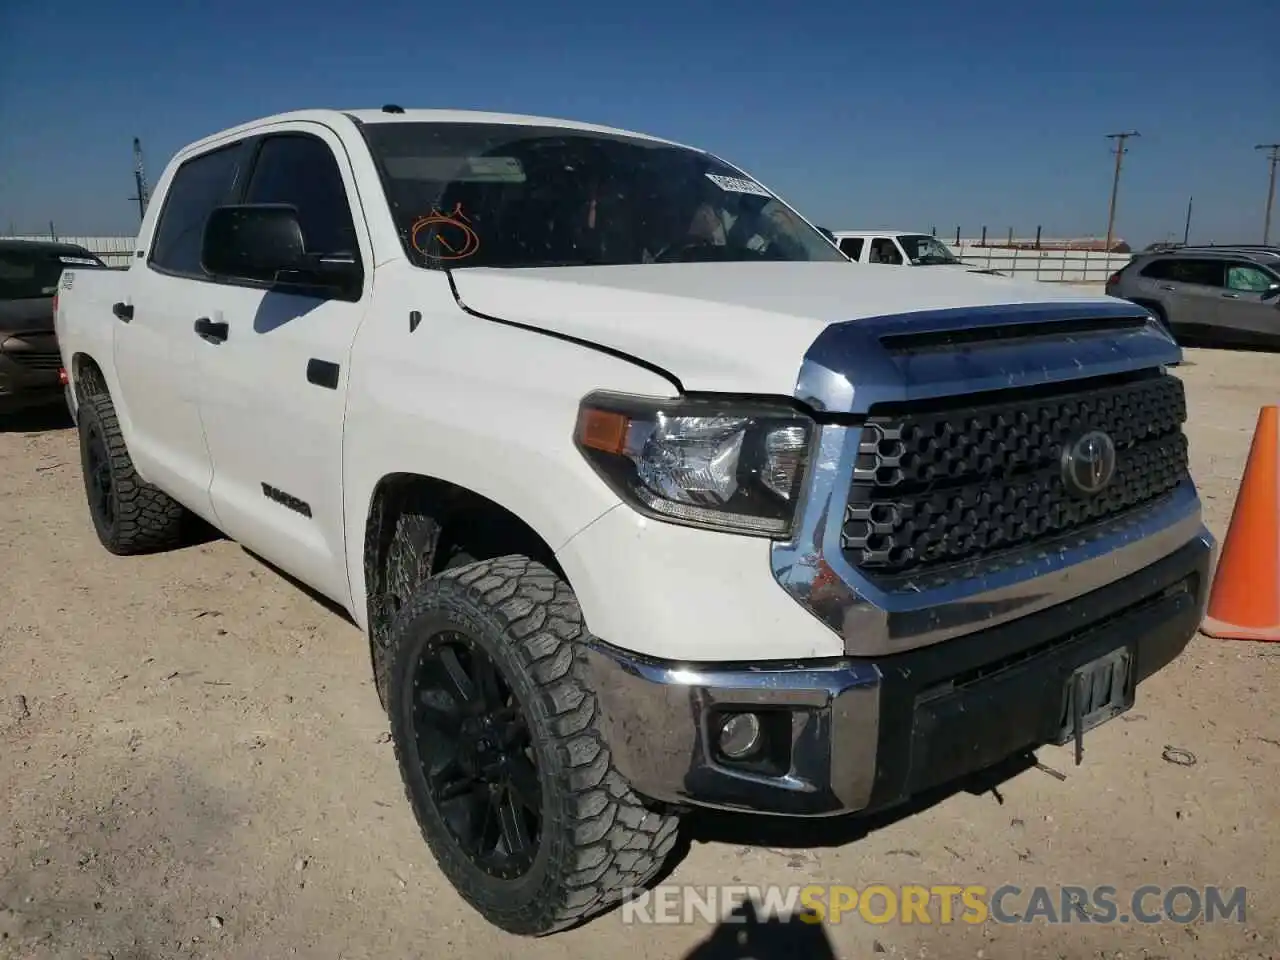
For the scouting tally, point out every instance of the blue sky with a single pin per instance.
(932, 113)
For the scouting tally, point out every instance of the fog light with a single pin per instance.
(740, 735)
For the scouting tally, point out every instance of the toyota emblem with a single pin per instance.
(1089, 464)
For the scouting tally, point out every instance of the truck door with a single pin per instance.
(273, 372)
(1243, 313)
(1192, 292)
(155, 350)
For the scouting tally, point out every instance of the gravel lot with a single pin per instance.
(193, 763)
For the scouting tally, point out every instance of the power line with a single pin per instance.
(1120, 138)
(1274, 159)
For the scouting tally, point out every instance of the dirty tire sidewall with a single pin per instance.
(90, 428)
(598, 840)
(408, 564)
(144, 519)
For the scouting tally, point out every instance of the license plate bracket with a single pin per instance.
(1094, 693)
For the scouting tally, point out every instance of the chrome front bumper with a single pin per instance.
(859, 734)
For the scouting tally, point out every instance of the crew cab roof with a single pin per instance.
(878, 233)
(377, 115)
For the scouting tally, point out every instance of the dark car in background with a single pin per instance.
(1228, 295)
(29, 274)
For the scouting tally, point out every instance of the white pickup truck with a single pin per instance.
(901, 248)
(646, 498)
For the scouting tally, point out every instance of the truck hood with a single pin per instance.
(744, 327)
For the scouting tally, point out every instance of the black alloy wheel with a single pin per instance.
(474, 751)
(504, 749)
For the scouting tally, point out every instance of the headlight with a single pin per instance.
(728, 465)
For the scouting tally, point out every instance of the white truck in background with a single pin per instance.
(645, 500)
(903, 248)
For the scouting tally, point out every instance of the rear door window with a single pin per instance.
(200, 184)
(884, 250)
(1205, 273)
(851, 247)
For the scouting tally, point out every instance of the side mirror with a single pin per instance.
(827, 233)
(1272, 292)
(252, 242)
(264, 242)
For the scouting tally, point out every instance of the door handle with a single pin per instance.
(123, 311)
(1165, 286)
(1231, 296)
(323, 373)
(206, 329)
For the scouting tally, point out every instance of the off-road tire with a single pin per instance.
(411, 557)
(598, 841)
(145, 519)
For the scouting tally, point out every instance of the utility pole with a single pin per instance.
(1274, 158)
(1120, 138)
(1186, 231)
(139, 179)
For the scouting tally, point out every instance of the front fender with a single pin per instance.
(485, 407)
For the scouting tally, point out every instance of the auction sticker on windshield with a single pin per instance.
(738, 185)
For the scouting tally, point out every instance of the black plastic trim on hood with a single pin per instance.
(578, 341)
(855, 365)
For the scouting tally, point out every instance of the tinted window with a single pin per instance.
(200, 184)
(504, 195)
(1248, 278)
(884, 250)
(852, 247)
(34, 273)
(302, 172)
(1206, 273)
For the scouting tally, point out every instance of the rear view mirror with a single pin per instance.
(253, 242)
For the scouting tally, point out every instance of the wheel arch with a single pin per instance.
(87, 378)
(1155, 306)
(471, 526)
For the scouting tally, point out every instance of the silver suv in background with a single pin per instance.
(1228, 295)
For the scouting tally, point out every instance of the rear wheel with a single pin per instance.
(129, 515)
(496, 732)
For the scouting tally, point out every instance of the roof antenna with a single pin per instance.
(392, 108)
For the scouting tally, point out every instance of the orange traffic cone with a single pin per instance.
(1244, 603)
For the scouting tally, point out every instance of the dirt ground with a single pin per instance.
(193, 763)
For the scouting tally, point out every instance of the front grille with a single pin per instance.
(945, 485)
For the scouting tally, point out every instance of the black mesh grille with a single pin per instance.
(37, 359)
(940, 486)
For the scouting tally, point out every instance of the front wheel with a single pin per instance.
(496, 732)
